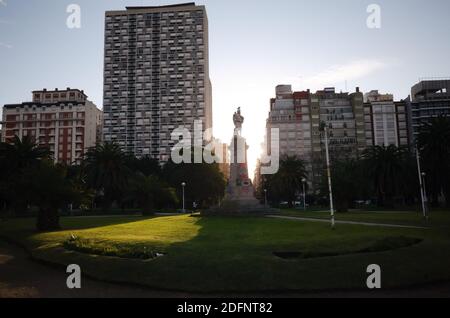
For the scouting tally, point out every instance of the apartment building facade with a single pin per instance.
(386, 120)
(429, 99)
(64, 121)
(290, 114)
(156, 76)
(300, 117)
(343, 114)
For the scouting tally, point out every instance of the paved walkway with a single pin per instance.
(294, 218)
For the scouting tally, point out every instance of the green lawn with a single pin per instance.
(436, 218)
(236, 254)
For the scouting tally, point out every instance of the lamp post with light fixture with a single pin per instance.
(330, 188)
(183, 185)
(422, 185)
(304, 194)
(265, 198)
(425, 196)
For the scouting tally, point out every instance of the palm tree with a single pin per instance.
(287, 182)
(14, 158)
(106, 171)
(434, 147)
(48, 188)
(21, 153)
(386, 167)
(76, 175)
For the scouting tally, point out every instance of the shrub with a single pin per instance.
(93, 247)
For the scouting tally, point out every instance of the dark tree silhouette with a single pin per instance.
(14, 158)
(287, 183)
(107, 172)
(434, 147)
(386, 167)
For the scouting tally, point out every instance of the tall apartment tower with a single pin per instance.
(156, 76)
(386, 120)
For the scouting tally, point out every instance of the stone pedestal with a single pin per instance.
(240, 186)
(240, 196)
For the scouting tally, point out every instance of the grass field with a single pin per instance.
(237, 254)
(436, 218)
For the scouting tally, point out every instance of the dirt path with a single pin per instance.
(22, 277)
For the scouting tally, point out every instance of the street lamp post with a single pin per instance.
(422, 185)
(329, 177)
(425, 196)
(304, 194)
(265, 198)
(183, 184)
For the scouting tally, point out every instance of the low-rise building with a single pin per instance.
(64, 121)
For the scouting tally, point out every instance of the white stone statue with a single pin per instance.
(238, 120)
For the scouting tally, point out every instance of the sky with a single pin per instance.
(254, 45)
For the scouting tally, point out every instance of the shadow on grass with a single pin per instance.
(382, 245)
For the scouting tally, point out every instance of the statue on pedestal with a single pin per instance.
(240, 197)
(238, 120)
